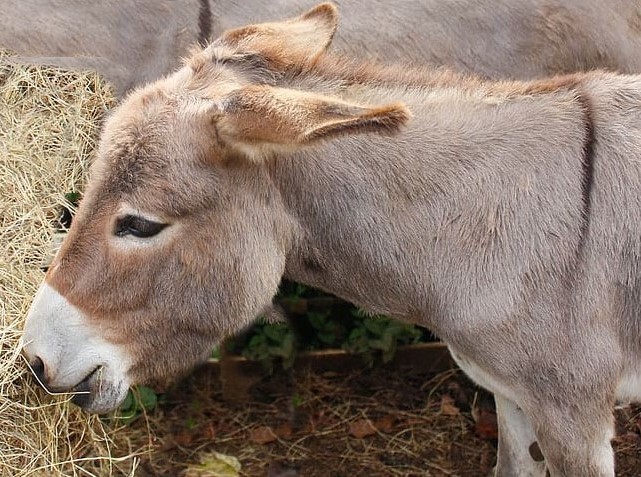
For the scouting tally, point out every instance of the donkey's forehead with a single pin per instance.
(159, 115)
(136, 130)
(148, 150)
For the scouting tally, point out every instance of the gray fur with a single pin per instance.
(134, 42)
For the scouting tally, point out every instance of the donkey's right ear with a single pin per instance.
(261, 120)
(299, 39)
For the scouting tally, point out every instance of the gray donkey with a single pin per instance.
(504, 216)
(134, 41)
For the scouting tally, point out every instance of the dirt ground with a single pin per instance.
(369, 422)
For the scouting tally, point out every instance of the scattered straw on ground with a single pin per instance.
(378, 422)
(301, 424)
(48, 127)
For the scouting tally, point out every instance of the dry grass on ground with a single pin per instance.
(48, 127)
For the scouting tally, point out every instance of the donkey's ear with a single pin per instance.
(297, 39)
(259, 120)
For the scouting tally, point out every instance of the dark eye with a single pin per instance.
(137, 226)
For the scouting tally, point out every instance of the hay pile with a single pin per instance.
(48, 126)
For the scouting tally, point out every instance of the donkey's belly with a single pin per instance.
(629, 386)
(482, 377)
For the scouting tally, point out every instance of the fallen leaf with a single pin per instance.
(262, 435)
(284, 431)
(486, 426)
(627, 438)
(448, 408)
(638, 424)
(385, 423)
(214, 465)
(362, 428)
(184, 438)
(459, 393)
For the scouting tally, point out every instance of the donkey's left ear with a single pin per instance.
(259, 120)
(297, 39)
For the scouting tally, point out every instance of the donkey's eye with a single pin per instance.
(137, 226)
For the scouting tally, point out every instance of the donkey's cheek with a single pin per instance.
(67, 354)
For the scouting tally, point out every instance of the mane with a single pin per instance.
(333, 71)
(357, 71)
(426, 77)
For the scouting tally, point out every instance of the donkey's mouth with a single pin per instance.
(99, 392)
(83, 389)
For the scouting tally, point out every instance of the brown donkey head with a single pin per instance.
(181, 238)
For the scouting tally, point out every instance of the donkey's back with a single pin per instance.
(138, 41)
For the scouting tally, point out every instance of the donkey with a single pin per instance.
(131, 42)
(505, 216)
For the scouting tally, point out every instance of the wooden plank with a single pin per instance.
(238, 374)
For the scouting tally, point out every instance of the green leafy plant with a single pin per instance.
(328, 330)
(268, 342)
(320, 321)
(139, 400)
(73, 198)
(297, 400)
(66, 213)
(294, 291)
(379, 334)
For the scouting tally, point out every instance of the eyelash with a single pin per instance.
(137, 226)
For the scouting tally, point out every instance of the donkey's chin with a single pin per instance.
(99, 396)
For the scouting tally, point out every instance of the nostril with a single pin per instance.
(38, 368)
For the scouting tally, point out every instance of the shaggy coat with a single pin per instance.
(505, 216)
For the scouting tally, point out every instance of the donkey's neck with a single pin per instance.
(390, 223)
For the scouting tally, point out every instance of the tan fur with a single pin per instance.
(504, 216)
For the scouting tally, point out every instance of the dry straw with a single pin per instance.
(48, 127)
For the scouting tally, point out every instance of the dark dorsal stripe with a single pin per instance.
(587, 161)
(204, 23)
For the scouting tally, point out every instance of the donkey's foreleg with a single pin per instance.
(575, 439)
(572, 425)
(516, 434)
(517, 453)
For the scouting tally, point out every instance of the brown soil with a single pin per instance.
(378, 422)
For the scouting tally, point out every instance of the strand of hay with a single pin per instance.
(48, 127)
